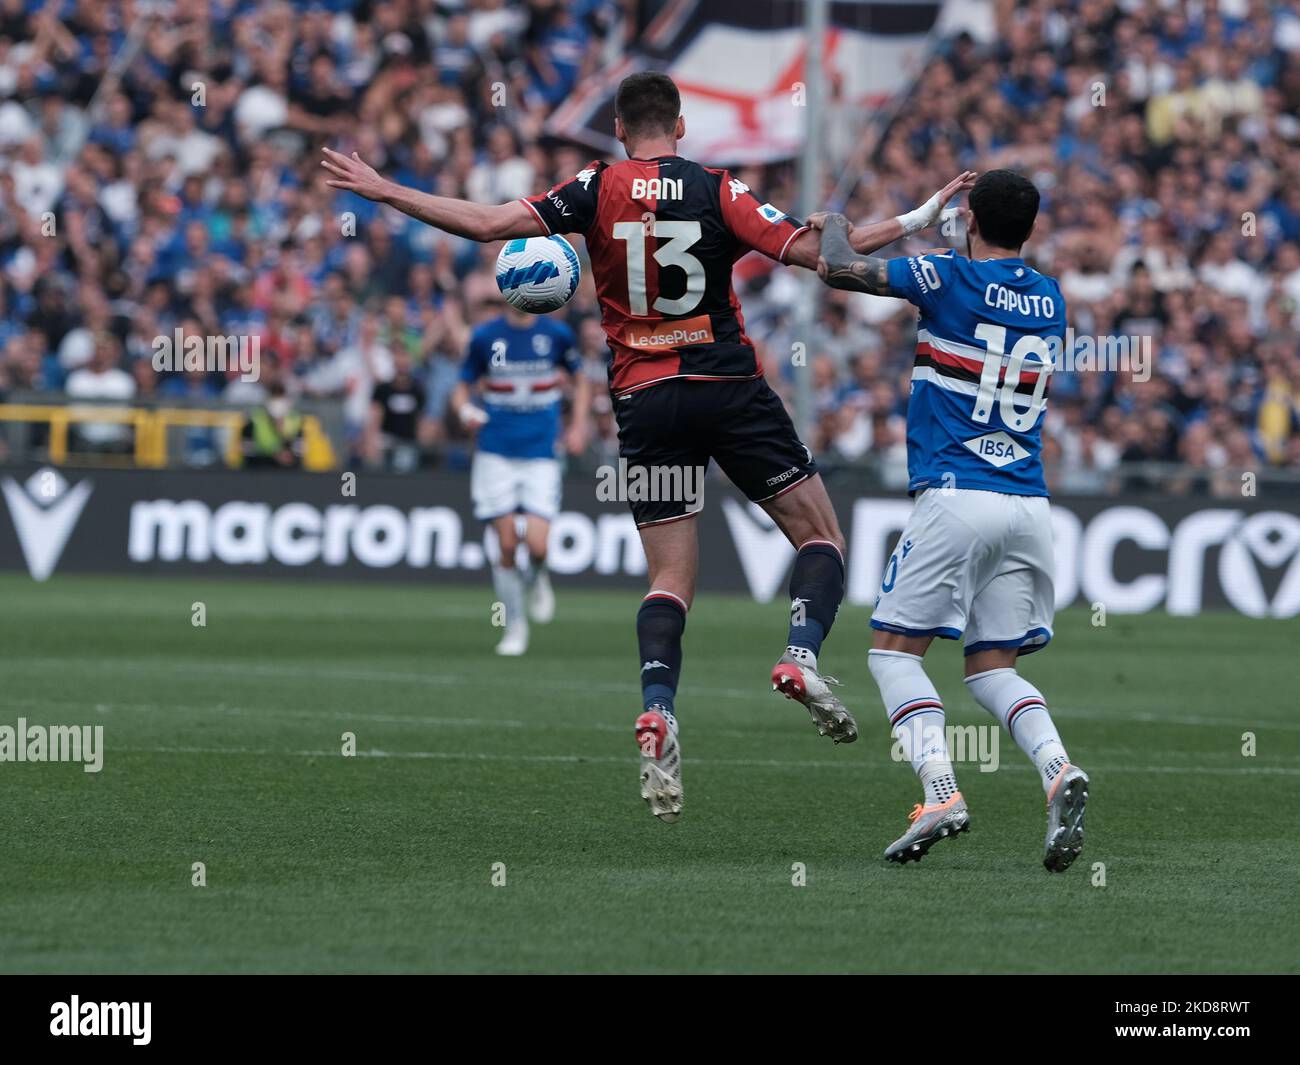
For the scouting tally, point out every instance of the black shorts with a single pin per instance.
(667, 434)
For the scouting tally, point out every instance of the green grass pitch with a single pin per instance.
(223, 746)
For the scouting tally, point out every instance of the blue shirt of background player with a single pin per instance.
(519, 368)
(955, 439)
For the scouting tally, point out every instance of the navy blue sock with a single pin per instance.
(816, 589)
(659, 626)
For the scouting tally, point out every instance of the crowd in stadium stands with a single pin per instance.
(1165, 138)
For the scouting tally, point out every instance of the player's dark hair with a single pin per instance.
(648, 103)
(1005, 205)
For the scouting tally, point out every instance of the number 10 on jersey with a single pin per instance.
(1004, 395)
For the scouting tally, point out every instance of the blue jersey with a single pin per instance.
(520, 372)
(986, 340)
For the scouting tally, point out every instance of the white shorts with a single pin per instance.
(979, 563)
(500, 486)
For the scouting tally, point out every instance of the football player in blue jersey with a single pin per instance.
(975, 558)
(520, 364)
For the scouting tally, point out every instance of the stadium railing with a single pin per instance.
(150, 427)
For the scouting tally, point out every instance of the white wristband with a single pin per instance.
(921, 218)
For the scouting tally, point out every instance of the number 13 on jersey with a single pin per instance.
(674, 242)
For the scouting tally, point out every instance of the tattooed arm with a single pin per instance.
(846, 260)
(843, 268)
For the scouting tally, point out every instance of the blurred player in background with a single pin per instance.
(976, 555)
(519, 364)
(662, 234)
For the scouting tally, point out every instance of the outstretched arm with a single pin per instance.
(843, 268)
(875, 235)
(477, 221)
(872, 236)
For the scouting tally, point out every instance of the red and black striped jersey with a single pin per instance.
(662, 236)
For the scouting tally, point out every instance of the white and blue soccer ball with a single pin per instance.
(538, 274)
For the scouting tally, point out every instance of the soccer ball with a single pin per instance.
(538, 274)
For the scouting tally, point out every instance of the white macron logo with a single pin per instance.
(997, 449)
(102, 1018)
(44, 512)
(585, 176)
(656, 664)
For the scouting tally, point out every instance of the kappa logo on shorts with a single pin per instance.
(997, 449)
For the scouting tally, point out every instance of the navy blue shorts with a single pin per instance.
(667, 434)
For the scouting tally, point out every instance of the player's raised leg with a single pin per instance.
(672, 554)
(807, 517)
(917, 721)
(750, 435)
(509, 585)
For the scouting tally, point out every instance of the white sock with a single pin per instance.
(803, 656)
(1021, 709)
(916, 718)
(510, 591)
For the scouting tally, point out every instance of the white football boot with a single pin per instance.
(929, 825)
(514, 641)
(805, 685)
(661, 764)
(541, 599)
(1065, 803)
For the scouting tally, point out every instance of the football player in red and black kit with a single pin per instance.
(662, 235)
